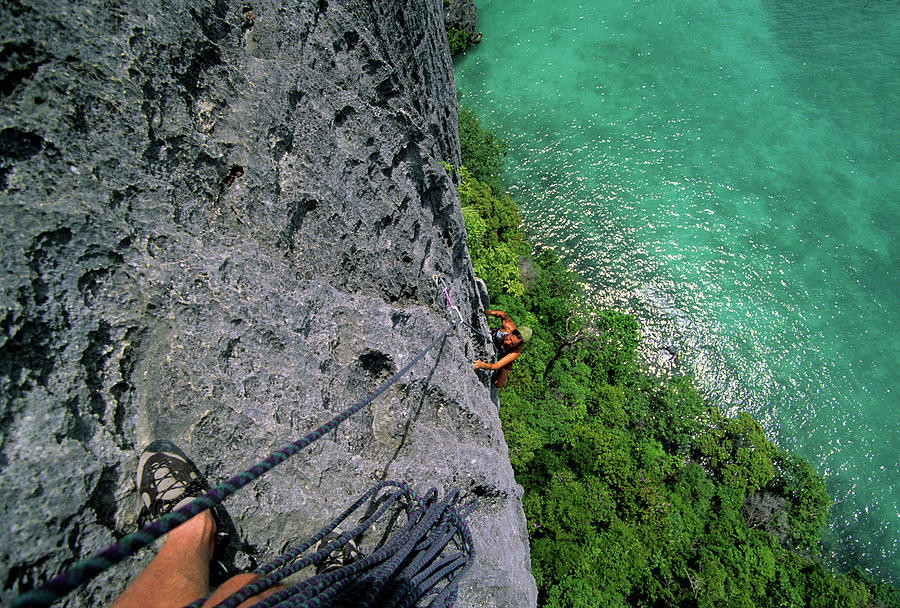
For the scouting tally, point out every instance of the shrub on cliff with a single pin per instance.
(481, 150)
(458, 40)
(492, 235)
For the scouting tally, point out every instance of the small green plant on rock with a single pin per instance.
(458, 40)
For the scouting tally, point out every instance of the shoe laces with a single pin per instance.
(176, 489)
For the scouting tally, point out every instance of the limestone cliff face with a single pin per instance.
(220, 224)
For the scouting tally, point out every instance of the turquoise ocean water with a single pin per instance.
(728, 172)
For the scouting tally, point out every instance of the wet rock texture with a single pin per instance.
(220, 225)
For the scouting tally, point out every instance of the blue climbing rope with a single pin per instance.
(88, 568)
(401, 572)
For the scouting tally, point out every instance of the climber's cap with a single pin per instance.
(524, 333)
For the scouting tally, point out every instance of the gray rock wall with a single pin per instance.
(220, 225)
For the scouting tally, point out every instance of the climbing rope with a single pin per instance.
(402, 571)
(439, 281)
(87, 569)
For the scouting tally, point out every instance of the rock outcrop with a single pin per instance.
(461, 15)
(220, 222)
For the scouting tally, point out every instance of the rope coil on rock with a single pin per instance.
(410, 560)
(88, 568)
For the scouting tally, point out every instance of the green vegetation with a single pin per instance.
(493, 235)
(458, 40)
(636, 492)
(483, 150)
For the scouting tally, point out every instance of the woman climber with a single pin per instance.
(508, 340)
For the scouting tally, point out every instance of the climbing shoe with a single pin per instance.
(340, 557)
(167, 479)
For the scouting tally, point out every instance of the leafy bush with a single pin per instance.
(482, 152)
(492, 235)
(458, 40)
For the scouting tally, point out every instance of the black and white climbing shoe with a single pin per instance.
(338, 558)
(166, 478)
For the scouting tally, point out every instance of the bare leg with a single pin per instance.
(500, 377)
(179, 574)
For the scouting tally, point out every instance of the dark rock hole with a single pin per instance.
(341, 117)
(16, 144)
(103, 498)
(376, 363)
(296, 215)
